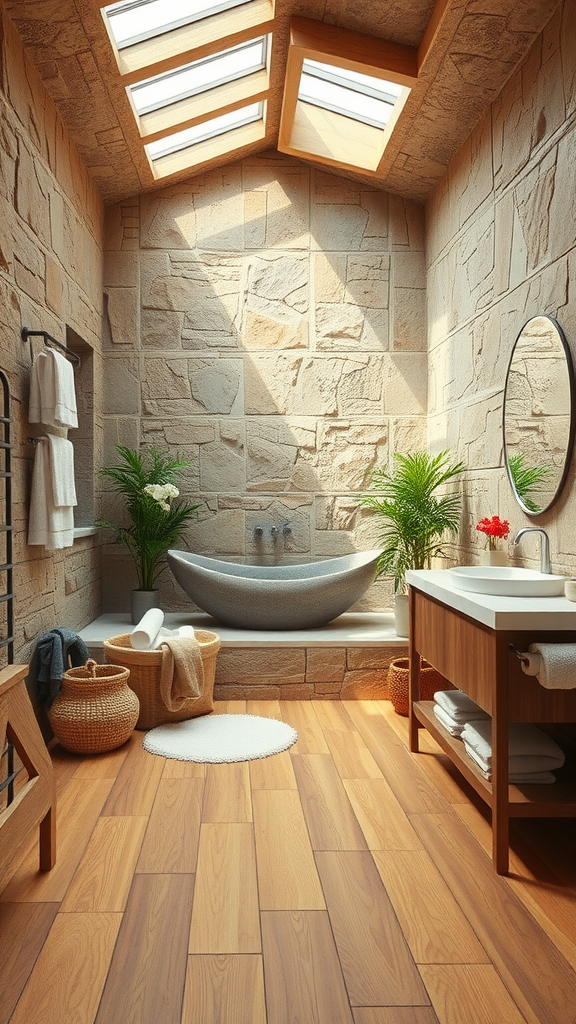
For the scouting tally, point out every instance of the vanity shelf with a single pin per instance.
(467, 638)
(529, 801)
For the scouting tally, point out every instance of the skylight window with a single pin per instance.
(201, 75)
(132, 21)
(361, 97)
(207, 130)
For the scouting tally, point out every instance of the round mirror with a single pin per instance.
(538, 420)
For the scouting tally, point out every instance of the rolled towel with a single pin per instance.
(553, 664)
(459, 706)
(449, 723)
(181, 631)
(145, 633)
(530, 749)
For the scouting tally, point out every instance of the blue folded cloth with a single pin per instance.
(50, 660)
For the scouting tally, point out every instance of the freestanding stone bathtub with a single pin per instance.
(301, 596)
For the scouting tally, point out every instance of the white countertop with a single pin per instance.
(509, 613)
(352, 629)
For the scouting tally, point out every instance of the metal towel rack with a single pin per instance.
(7, 565)
(25, 334)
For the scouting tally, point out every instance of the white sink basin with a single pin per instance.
(506, 581)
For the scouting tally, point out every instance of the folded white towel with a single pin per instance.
(62, 471)
(459, 706)
(529, 748)
(515, 778)
(52, 395)
(144, 635)
(553, 664)
(49, 525)
(449, 723)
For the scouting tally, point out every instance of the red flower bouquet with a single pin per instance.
(495, 529)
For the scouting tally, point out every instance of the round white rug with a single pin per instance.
(219, 738)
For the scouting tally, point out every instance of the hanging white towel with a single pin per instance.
(62, 471)
(52, 395)
(459, 706)
(49, 525)
(529, 748)
(553, 664)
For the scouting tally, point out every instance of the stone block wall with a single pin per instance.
(267, 322)
(50, 279)
(300, 673)
(501, 248)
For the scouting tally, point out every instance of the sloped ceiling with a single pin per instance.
(474, 50)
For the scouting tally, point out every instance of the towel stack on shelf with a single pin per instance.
(53, 494)
(455, 709)
(532, 754)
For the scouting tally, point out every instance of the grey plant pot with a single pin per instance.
(141, 601)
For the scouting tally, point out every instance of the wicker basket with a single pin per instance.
(96, 710)
(398, 683)
(145, 678)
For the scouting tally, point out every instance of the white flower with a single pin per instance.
(162, 494)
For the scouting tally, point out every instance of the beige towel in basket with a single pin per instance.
(181, 672)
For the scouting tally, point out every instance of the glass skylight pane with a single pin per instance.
(344, 101)
(131, 21)
(206, 130)
(199, 76)
(366, 84)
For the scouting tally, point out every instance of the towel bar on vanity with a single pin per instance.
(521, 657)
(25, 334)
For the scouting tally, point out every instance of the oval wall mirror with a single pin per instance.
(538, 414)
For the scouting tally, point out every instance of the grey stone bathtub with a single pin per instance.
(299, 596)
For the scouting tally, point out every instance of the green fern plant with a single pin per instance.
(526, 479)
(147, 482)
(414, 518)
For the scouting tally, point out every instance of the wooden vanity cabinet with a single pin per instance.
(478, 660)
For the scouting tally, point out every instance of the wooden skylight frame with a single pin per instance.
(169, 51)
(313, 132)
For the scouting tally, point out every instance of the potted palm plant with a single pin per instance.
(157, 521)
(415, 518)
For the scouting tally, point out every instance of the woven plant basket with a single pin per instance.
(398, 684)
(96, 710)
(145, 678)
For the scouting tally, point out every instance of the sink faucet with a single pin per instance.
(544, 545)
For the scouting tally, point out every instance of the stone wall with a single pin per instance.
(266, 321)
(50, 279)
(304, 673)
(501, 248)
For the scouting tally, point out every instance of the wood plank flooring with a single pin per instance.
(345, 881)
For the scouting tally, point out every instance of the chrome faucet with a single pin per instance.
(544, 545)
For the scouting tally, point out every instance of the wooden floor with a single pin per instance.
(343, 882)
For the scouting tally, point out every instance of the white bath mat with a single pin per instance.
(218, 738)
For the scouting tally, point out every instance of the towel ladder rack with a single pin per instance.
(25, 334)
(7, 566)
